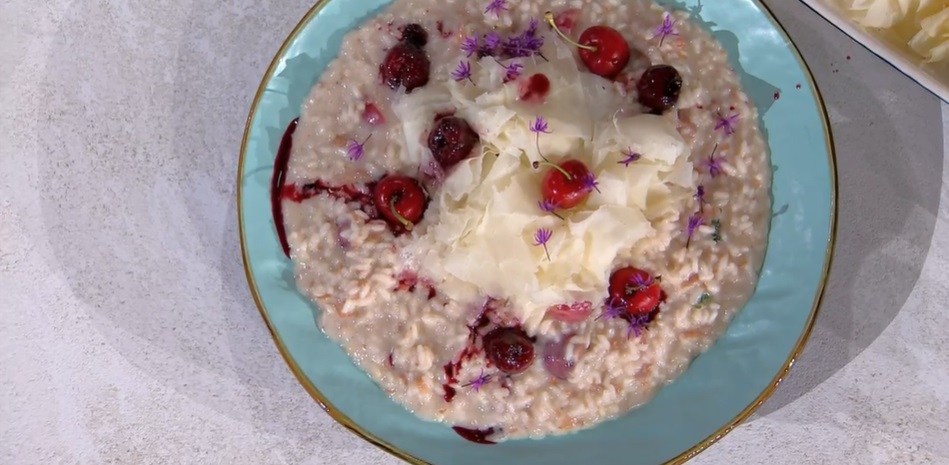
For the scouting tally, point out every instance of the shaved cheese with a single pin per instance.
(483, 219)
(923, 25)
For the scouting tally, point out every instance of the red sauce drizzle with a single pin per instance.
(470, 351)
(441, 30)
(535, 88)
(479, 436)
(281, 162)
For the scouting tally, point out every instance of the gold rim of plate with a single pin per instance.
(683, 457)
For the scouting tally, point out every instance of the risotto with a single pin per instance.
(524, 218)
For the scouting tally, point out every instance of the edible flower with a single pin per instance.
(590, 183)
(638, 324)
(492, 41)
(727, 124)
(496, 7)
(700, 195)
(667, 28)
(511, 71)
(479, 382)
(639, 283)
(630, 157)
(541, 237)
(462, 72)
(548, 206)
(355, 150)
(713, 164)
(695, 221)
(613, 309)
(469, 45)
(526, 44)
(538, 127)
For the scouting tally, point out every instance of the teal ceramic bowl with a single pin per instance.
(721, 388)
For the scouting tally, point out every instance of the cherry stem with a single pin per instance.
(405, 223)
(549, 17)
(556, 167)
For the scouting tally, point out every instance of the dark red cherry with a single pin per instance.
(659, 88)
(510, 349)
(405, 65)
(567, 184)
(400, 200)
(414, 34)
(451, 140)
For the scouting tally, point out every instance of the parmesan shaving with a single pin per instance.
(481, 241)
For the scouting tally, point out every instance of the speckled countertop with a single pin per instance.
(128, 336)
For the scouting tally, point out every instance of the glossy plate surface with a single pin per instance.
(720, 389)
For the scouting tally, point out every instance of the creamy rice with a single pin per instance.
(377, 297)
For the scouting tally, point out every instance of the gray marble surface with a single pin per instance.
(128, 336)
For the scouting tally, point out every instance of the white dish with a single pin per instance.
(901, 57)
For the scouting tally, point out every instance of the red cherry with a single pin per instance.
(510, 349)
(566, 184)
(405, 65)
(636, 290)
(603, 49)
(610, 52)
(372, 115)
(400, 200)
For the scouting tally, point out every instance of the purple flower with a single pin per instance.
(462, 72)
(539, 126)
(613, 309)
(496, 6)
(667, 28)
(700, 195)
(695, 221)
(511, 71)
(525, 44)
(727, 124)
(355, 150)
(469, 45)
(638, 324)
(541, 237)
(639, 283)
(590, 183)
(479, 382)
(548, 206)
(492, 41)
(713, 164)
(631, 157)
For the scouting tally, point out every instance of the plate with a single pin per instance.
(719, 390)
(900, 56)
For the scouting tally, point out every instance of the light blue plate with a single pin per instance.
(720, 389)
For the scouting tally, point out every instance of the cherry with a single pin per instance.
(451, 140)
(405, 65)
(400, 200)
(510, 349)
(566, 184)
(603, 49)
(659, 88)
(372, 115)
(414, 34)
(634, 289)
